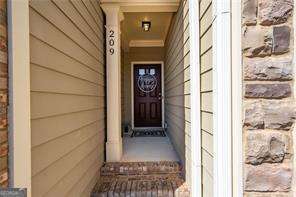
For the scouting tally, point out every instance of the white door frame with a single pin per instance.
(162, 91)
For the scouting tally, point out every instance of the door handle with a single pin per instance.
(160, 96)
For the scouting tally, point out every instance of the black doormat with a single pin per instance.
(148, 133)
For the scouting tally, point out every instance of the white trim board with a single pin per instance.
(145, 5)
(237, 99)
(146, 43)
(222, 110)
(196, 183)
(227, 98)
(132, 90)
(151, 8)
(19, 95)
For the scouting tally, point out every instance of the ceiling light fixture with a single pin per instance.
(146, 25)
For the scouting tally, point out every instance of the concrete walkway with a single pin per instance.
(148, 149)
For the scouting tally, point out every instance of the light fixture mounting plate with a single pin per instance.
(146, 25)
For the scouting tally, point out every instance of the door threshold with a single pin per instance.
(149, 132)
(146, 128)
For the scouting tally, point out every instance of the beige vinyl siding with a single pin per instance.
(67, 96)
(177, 85)
(206, 96)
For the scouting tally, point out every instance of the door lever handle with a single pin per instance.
(160, 96)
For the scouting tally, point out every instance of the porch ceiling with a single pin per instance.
(159, 12)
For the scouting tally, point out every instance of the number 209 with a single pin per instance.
(111, 42)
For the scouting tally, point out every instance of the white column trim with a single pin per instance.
(222, 109)
(196, 189)
(19, 95)
(237, 99)
(113, 73)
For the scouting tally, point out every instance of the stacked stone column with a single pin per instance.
(3, 97)
(269, 107)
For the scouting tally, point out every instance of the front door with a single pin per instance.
(147, 95)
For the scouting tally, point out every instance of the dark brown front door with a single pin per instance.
(147, 95)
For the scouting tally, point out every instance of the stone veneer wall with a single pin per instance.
(268, 99)
(3, 97)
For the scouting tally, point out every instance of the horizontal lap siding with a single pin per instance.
(206, 96)
(67, 96)
(177, 85)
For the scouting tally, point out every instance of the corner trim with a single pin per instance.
(222, 98)
(237, 99)
(194, 29)
(19, 94)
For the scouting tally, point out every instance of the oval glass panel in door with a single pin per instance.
(147, 82)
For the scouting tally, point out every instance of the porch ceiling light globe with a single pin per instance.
(146, 25)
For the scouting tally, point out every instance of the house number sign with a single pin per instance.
(111, 41)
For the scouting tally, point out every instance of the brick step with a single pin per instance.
(147, 179)
(141, 185)
(141, 168)
(150, 177)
